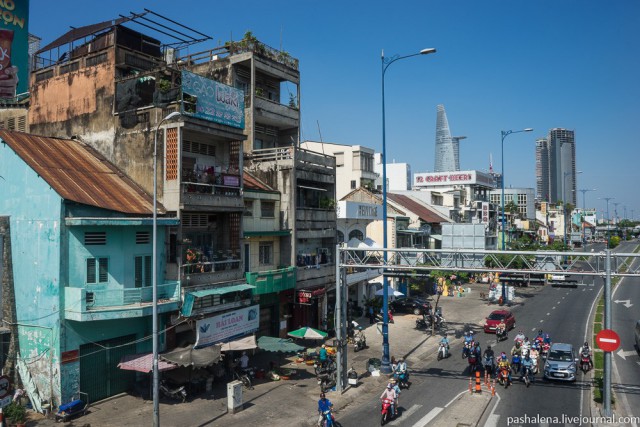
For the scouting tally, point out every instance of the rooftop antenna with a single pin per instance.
(320, 133)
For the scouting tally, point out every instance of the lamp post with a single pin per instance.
(154, 275)
(608, 220)
(504, 134)
(385, 363)
(584, 207)
(564, 207)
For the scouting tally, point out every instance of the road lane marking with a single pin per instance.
(548, 314)
(492, 419)
(428, 418)
(406, 413)
(553, 308)
(541, 321)
(533, 329)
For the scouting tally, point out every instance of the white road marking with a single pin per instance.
(541, 321)
(428, 418)
(562, 298)
(492, 419)
(533, 329)
(553, 308)
(548, 314)
(406, 413)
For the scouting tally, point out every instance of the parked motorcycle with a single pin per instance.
(585, 362)
(327, 381)
(423, 321)
(386, 411)
(443, 351)
(327, 366)
(359, 340)
(178, 393)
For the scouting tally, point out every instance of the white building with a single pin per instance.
(354, 165)
(524, 198)
(398, 175)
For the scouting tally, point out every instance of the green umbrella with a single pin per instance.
(308, 333)
(275, 344)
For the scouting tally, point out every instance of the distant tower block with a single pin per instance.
(447, 152)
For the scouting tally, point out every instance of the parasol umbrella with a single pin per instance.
(308, 333)
(278, 345)
(391, 292)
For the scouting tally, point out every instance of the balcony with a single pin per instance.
(313, 223)
(219, 269)
(276, 114)
(212, 195)
(311, 276)
(273, 280)
(88, 304)
(354, 277)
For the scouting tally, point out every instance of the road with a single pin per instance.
(625, 314)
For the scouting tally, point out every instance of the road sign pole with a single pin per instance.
(339, 321)
(606, 395)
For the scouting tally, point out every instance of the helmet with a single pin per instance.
(526, 338)
(488, 347)
(466, 334)
(389, 385)
(322, 396)
(393, 380)
(586, 344)
(476, 343)
(324, 345)
(526, 355)
(503, 356)
(540, 332)
(517, 344)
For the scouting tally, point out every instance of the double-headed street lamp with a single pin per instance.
(385, 363)
(504, 134)
(564, 208)
(154, 275)
(608, 220)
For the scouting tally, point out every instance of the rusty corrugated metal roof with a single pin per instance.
(251, 182)
(79, 173)
(425, 214)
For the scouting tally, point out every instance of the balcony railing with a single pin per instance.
(272, 280)
(209, 266)
(218, 190)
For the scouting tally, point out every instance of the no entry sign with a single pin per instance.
(607, 340)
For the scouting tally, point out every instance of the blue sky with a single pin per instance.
(500, 65)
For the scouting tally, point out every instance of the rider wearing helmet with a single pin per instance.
(547, 339)
(519, 337)
(503, 363)
(389, 393)
(396, 388)
(476, 350)
(488, 361)
(324, 405)
(527, 363)
(585, 350)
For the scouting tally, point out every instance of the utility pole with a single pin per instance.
(606, 394)
(341, 321)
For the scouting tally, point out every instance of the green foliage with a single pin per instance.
(15, 413)
(614, 241)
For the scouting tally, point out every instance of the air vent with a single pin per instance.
(92, 238)
(142, 237)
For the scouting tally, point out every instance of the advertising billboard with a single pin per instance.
(209, 100)
(14, 48)
(231, 324)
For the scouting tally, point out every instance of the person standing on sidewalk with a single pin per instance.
(372, 316)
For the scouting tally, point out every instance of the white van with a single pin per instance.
(637, 335)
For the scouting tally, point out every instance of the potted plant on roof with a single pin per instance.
(16, 414)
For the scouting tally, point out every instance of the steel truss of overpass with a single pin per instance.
(415, 260)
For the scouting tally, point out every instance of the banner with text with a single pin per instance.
(241, 321)
(14, 48)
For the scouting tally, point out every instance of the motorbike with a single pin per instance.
(466, 349)
(386, 411)
(389, 314)
(585, 362)
(515, 363)
(519, 340)
(440, 323)
(328, 420)
(359, 341)
(443, 351)
(178, 393)
(326, 380)
(544, 350)
(423, 321)
(473, 362)
(527, 376)
(326, 366)
(501, 334)
(503, 376)
(402, 378)
(534, 363)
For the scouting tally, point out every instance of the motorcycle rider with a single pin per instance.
(389, 393)
(534, 354)
(540, 336)
(501, 328)
(476, 350)
(586, 351)
(520, 337)
(526, 345)
(445, 341)
(323, 355)
(401, 370)
(468, 342)
(396, 388)
(527, 363)
(503, 363)
(324, 405)
(488, 362)
(516, 352)
(547, 339)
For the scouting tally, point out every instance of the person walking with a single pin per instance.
(372, 316)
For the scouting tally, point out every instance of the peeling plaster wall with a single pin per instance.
(35, 215)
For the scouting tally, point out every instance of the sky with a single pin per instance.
(499, 65)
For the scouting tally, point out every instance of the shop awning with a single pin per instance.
(143, 363)
(195, 357)
(275, 344)
(190, 297)
(244, 343)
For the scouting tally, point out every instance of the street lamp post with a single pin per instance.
(154, 275)
(584, 208)
(564, 207)
(608, 219)
(504, 134)
(385, 363)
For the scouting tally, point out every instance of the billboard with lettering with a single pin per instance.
(209, 100)
(14, 47)
(235, 323)
(447, 179)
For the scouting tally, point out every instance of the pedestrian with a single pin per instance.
(372, 316)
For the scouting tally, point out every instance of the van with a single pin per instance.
(637, 334)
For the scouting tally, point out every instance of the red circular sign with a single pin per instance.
(608, 340)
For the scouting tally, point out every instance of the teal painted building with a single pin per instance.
(81, 251)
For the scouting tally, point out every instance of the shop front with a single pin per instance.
(306, 309)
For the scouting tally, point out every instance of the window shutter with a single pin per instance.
(138, 272)
(103, 270)
(91, 270)
(147, 271)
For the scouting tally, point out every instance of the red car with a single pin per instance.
(493, 320)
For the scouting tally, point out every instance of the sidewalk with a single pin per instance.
(295, 400)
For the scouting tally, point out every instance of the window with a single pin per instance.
(97, 270)
(95, 238)
(340, 236)
(357, 234)
(265, 253)
(248, 208)
(268, 209)
(142, 274)
(353, 184)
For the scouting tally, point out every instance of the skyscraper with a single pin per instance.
(445, 158)
(556, 167)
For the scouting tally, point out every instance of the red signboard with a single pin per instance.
(607, 340)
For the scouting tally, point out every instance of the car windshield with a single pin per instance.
(560, 356)
(496, 316)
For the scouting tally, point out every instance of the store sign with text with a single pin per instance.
(241, 321)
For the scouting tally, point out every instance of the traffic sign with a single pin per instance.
(5, 385)
(608, 340)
